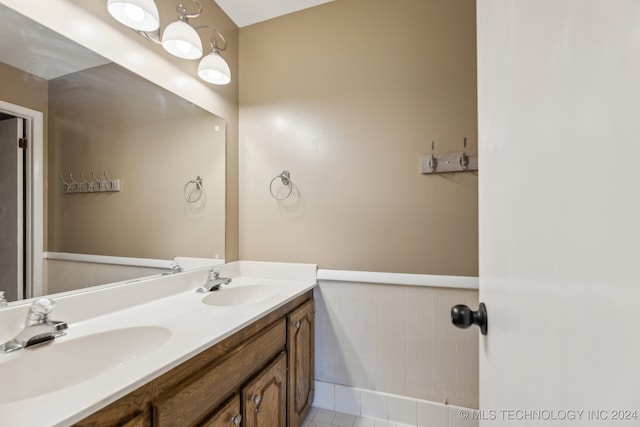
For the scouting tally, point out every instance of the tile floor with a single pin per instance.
(324, 418)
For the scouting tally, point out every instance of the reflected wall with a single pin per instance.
(154, 143)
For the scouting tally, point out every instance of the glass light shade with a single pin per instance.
(141, 15)
(182, 40)
(214, 69)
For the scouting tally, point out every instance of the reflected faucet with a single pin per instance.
(3, 300)
(174, 268)
(38, 328)
(214, 281)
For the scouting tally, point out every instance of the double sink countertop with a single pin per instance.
(123, 336)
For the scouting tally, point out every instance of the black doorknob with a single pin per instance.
(463, 317)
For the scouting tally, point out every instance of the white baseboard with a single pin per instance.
(391, 408)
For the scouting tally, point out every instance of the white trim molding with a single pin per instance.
(430, 280)
(114, 260)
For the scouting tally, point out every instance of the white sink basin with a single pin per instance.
(67, 361)
(241, 295)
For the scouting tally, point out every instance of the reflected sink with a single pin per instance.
(241, 295)
(67, 361)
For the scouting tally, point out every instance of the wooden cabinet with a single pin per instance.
(300, 351)
(195, 398)
(264, 373)
(138, 421)
(265, 398)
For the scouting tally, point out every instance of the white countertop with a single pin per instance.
(168, 302)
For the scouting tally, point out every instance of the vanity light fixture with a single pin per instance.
(179, 38)
(141, 15)
(213, 68)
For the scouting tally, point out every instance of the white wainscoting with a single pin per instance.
(396, 339)
(67, 272)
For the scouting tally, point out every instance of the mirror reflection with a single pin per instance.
(133, 175)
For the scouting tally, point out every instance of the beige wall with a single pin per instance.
(154, 142)
(23, 89)
(348, 96)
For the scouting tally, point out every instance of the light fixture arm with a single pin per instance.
(214, 40)
(182, 10)
(153, 36)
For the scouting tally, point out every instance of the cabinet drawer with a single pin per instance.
(227, 416)
(192, 400)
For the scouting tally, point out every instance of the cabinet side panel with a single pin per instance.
(301, 364)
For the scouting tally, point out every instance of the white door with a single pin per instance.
(559, 186)
(11, 209)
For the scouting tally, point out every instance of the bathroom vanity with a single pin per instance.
(239, 381)
(242, 355)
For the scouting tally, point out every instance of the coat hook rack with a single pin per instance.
(94, 185)
(451, 162)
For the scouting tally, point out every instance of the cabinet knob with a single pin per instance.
(297, 324)
(256, 400)
(236, 420)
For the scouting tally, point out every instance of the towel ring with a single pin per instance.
(285, 178)
(198, 183)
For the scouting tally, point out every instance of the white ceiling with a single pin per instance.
(39, 51)
(247, 12)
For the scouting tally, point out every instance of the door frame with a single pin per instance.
(34, 184)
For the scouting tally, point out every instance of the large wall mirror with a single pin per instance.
(134, 176)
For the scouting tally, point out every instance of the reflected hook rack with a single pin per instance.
(95, 185)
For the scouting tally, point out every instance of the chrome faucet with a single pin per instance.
(214, 281)
(38, 328)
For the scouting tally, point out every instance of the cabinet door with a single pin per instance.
(265, 398)
(227, 416)
(300, 338)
